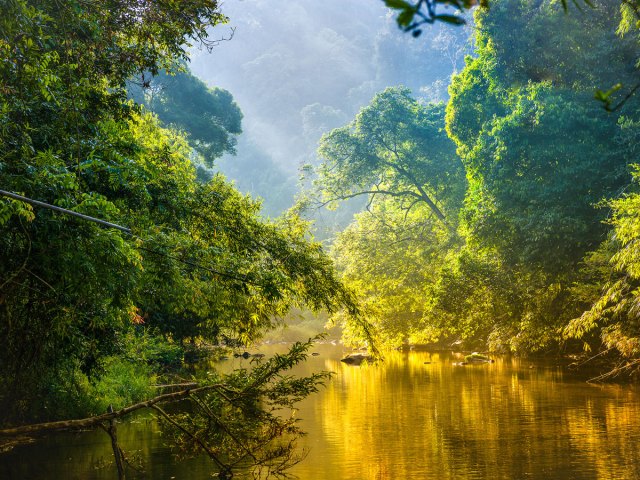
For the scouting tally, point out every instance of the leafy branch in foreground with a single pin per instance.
(240, 420)
(412, 16)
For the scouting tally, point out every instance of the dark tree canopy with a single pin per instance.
(210, 116)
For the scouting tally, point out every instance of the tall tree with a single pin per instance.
(526, 126)
(396, 153)
(395, 147)
(209, 116)
(390, 258)
(75, 299)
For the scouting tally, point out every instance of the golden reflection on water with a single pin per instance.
(420, 416)
(415, 416)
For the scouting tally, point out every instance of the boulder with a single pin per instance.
(356, 358)
(476, 358)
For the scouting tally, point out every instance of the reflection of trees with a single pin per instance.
(241, 421)
(405, 419)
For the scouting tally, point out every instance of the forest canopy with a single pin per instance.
(505, 219)
(538, 181)
(92, 317)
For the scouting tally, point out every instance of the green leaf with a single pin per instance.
(398, 4)
(405, 18)
(452, 19)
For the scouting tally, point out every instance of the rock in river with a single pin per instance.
(476, 358)
(356, 358)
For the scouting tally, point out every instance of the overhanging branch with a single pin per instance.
(93, 422)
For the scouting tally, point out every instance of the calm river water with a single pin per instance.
(416, 416)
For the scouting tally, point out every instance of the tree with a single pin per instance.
(540, 156)
(395, 147)
(390, 257)
(210, 116)
(77, 301)
(524, 199)
(512, 122)
(396, 153)
(612, 320)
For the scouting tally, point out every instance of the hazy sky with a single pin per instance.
(300, 68)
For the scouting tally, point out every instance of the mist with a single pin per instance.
(299, 69)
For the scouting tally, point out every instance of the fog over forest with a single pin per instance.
(299, 69)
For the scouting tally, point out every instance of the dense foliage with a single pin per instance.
(544, 166)
(507, 218)
(88, 314)
(396, 147)
(541, 155)
(209, 116)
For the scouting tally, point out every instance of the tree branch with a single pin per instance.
(195, 438)
(91, 422)
(391, 193)
(425, 197)
(414, 181)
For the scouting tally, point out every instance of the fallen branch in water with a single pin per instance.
(623, 367)
(238, 422)
(93, 422)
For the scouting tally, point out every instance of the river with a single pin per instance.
(415, 416)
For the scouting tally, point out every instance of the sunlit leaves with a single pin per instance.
(389, 257)
(614, 316)
(200, 262)
(9, 208)
(395, 147)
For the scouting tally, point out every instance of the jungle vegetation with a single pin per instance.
(506, 219)
(91, 317)
(503, 220)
